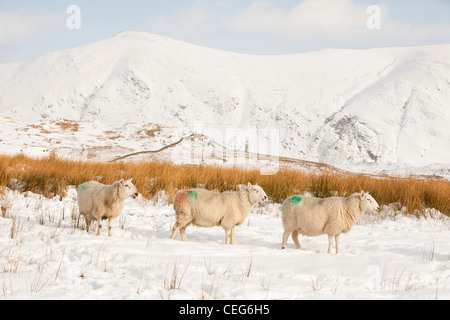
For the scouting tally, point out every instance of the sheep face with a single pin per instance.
(256, 193)
(127, 189)
(368, 203)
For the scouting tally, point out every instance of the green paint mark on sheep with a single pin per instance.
(192, 195)
(82, 187)
(295, 200)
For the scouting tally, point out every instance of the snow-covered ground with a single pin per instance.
(43, 255)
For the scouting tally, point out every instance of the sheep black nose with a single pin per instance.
(135, 195)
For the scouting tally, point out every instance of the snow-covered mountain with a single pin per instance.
(384, 107)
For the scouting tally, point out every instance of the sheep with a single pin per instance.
(332, 216)
(97, 201)
(204, 208)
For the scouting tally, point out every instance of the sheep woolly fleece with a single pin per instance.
(315, 216)
(204, 208)
(97, 202)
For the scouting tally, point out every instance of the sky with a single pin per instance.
(29, 28)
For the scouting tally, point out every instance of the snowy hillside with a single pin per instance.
(341, 107)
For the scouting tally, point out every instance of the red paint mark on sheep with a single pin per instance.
(180, 199)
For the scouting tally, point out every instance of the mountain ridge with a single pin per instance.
(340, 107)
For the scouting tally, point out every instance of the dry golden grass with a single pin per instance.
(68, 125)
(51, 176)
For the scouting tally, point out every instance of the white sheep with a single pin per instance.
(97, 201)
(204, 208)
(331, 216)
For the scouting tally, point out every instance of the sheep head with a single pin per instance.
(256, 193)
(126, 189)
(368, 203)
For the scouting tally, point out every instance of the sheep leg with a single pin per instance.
(337, 243)
(174, 232)
(330, 243)
(183, 233)
(88, 224)
(295, 238)
(227, 236)
(232, 236)
(178, 227)
(99, 227)
(109, 227)
(175, 229)
(286, 234)
(95, 213)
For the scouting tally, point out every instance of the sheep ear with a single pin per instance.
(121, 182)
(249, 184)
(362, 194)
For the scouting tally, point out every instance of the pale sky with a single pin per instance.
(31, 28)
